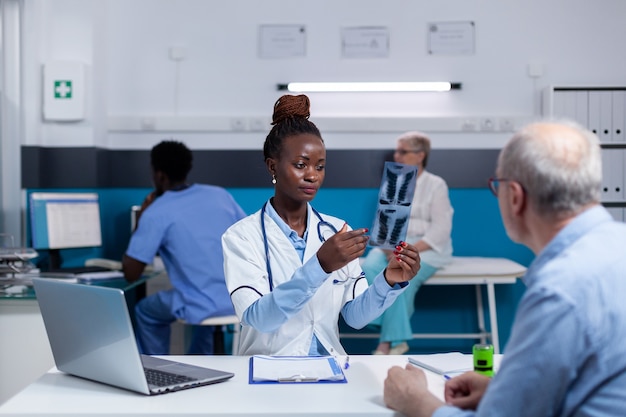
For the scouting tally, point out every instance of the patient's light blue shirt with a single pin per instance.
(266, 318)
(566, 354)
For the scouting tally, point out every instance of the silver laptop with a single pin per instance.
(91, 336)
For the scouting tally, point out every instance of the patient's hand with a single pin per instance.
(465, 391)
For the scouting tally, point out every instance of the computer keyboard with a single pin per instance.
(110, 264)
(164, 379)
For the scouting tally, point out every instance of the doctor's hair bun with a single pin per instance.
(291, 107)
(290, 118)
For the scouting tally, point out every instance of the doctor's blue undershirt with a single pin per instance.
(306, 277)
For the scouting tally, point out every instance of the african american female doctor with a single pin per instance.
(291, 270)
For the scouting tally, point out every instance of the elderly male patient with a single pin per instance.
(566, 353)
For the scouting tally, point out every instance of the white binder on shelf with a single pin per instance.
(619, 116)
(613, 160)
(600, 114)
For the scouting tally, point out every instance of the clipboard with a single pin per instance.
(295, 370)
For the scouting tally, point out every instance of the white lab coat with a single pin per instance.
(247, 280)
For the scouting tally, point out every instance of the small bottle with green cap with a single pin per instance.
(483, 359)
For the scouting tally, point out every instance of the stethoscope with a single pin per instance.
(320, 233)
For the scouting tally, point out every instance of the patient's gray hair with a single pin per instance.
(418, 141)
(558, 163)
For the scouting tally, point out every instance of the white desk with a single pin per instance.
(56, 393)
(25, 353)
(475, 271)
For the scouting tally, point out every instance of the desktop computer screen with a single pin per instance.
(64, 221)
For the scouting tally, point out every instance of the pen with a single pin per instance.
(298, 378)
(347, 364)
(447, 377)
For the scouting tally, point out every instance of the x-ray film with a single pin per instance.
(394, 205)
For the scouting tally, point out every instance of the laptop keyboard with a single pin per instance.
(164, 379)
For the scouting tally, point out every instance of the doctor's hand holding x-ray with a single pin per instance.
(345, 246)
(290, 270)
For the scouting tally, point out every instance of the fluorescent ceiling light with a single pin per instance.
(369, 87)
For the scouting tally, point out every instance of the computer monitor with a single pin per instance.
(64, 221)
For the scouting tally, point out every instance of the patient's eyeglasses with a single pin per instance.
(494, 184)
(405, 151)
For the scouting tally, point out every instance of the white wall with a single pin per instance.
(134, 87)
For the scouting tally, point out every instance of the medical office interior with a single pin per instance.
(206, 73)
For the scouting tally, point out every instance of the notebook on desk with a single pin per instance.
(92, 337)
(444, 363)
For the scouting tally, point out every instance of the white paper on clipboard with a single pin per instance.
(295, 369)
